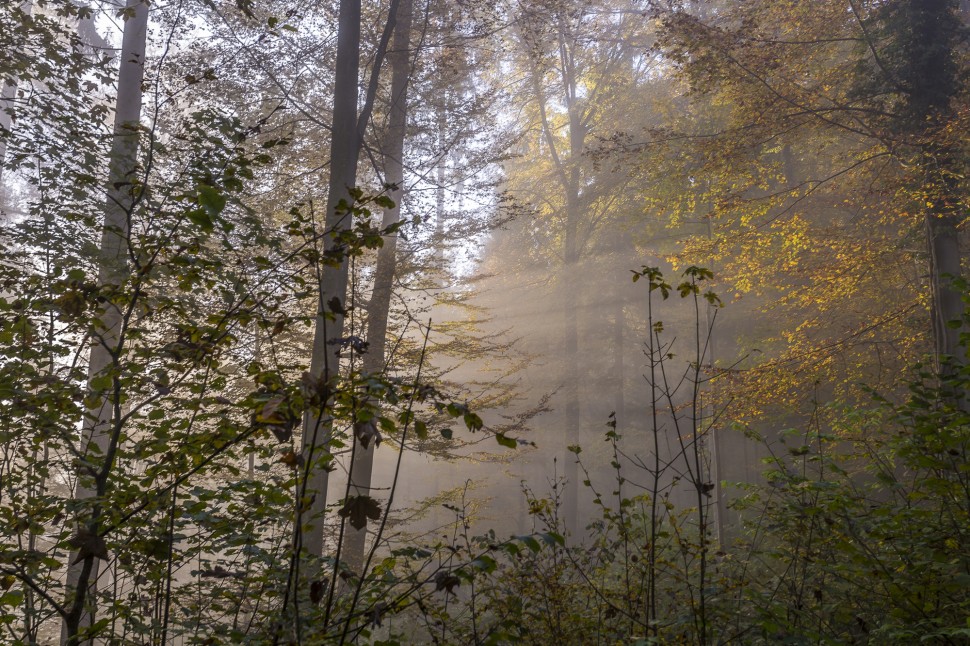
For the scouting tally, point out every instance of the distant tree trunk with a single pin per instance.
(570, 287)
(619, 354)
(7, 96)
(324, 362)
(441, 175)
(102, 425)
(929, 30)
(380, 303)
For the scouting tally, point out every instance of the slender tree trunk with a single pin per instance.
(380, 303)
(441, 175)
(344, 150)
(571, 288)
(346, 135)
(945, 266)
(102, 426)
(570, 298)
(7, 96)
(619, 354)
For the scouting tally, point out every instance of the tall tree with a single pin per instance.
(379, 307)
(9, 91)
(575, 69)
(347, 132)
(103, 424)
(822, 139)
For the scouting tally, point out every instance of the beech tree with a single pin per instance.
(577, 77)
(378, 309)
(818, 173)
(103, 426)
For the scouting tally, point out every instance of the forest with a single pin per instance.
(489, 322)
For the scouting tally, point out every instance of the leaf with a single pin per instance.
(282, 433)
(335, 306)
(201, 219)
(484, 563)
(473, 422)
(211, 200)
(366, 432)
(269, 414)
(506, 441)
(446, 581)
(530, 542)
(317, 588)
(88, 543)
(421, 429)
(358, 509)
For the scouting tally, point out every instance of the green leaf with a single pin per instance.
(201, 219)
(421, 429)
(211, 200)
(505, 441)
(530, 542)
(484, 563)
(473, 422)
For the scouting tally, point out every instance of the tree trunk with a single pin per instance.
(571, 288)
(324, 362)
(380, 302)
(7, 95)
(102, 426)
(928, 29)
(347, 132)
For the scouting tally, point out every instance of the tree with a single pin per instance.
(104, 425)
(577, 75)
(347, 132)
(378, 309)
(8, 94)
(808, 133)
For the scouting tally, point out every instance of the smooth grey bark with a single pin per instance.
(379, 308)
(7, 96)
(102, 426)
(324, 362)
(347, 132)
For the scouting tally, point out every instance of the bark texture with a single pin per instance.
(102, 427)
(380, 303)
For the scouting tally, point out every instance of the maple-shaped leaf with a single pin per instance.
(358, 509)
(446, 581)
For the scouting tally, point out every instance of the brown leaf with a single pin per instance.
(358, 509)
(269, 414)
(446, 581)
(282, 433)
(317, 588)
(315, 389)
(367, 432)
(88, 543)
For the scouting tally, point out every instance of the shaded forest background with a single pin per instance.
(453, 322)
